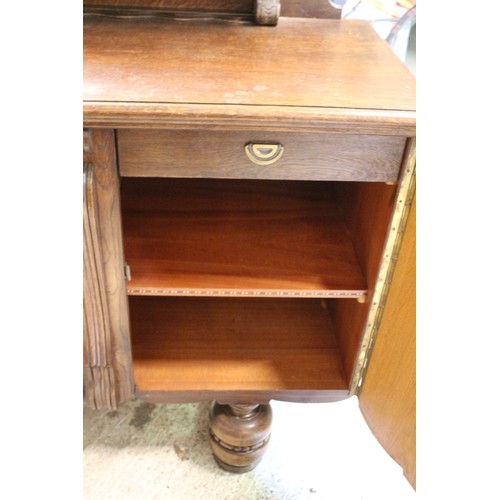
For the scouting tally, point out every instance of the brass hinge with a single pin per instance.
(126, 269)
(387, 267)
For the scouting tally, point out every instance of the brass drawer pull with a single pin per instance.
(264, 154)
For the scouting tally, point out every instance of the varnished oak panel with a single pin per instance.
(239, 6)
(289, 8)
(240, 117)
(305, 76)
(308, 63)
(321, 9)
(174, 153)
(98, 375)
(367, 208)
(237, 396)
(209, 237)
(387, 398)
(108, 376)
(233, 344)
(264, 12)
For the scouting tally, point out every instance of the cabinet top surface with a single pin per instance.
(300, 63)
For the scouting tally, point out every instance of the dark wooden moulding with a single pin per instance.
(263, 12)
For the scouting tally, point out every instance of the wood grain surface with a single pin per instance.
(388, 394)
(236, 396)
(301, 62)
(307, 156)
(233, 344)
(255, 118)
(194, 5)
(367, 208)
(98, 375)
(289, 8)
(321, 9)
(239, 434)
(207, 237)
(107, 336)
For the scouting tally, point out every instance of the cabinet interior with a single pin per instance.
(250, 285)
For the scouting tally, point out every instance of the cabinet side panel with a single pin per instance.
(387, 397)
(367, 208)
(108, 375)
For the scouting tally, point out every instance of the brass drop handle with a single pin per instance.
(264, 154)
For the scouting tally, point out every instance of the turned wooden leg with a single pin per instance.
(239, 434)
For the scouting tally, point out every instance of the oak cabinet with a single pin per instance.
(246, 189)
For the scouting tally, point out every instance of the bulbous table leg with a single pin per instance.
(239, 434)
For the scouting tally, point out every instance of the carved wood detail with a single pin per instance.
(98, 375)
(108, 375)
(86, 146)
(267, 12)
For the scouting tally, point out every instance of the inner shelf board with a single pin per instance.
(212, 237)
(228, 344)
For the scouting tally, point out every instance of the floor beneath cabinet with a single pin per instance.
(146, 451)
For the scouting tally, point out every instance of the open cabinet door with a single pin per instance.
(387, 397)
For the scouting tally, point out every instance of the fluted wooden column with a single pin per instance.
(107, 375)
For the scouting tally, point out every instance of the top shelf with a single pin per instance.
(211, 237)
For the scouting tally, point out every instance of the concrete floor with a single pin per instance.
(317, 451)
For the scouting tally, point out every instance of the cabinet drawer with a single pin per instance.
(302, 156)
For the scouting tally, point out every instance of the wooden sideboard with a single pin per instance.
(246, 191)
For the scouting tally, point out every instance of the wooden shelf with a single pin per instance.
(209, 237)
(234, 344)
